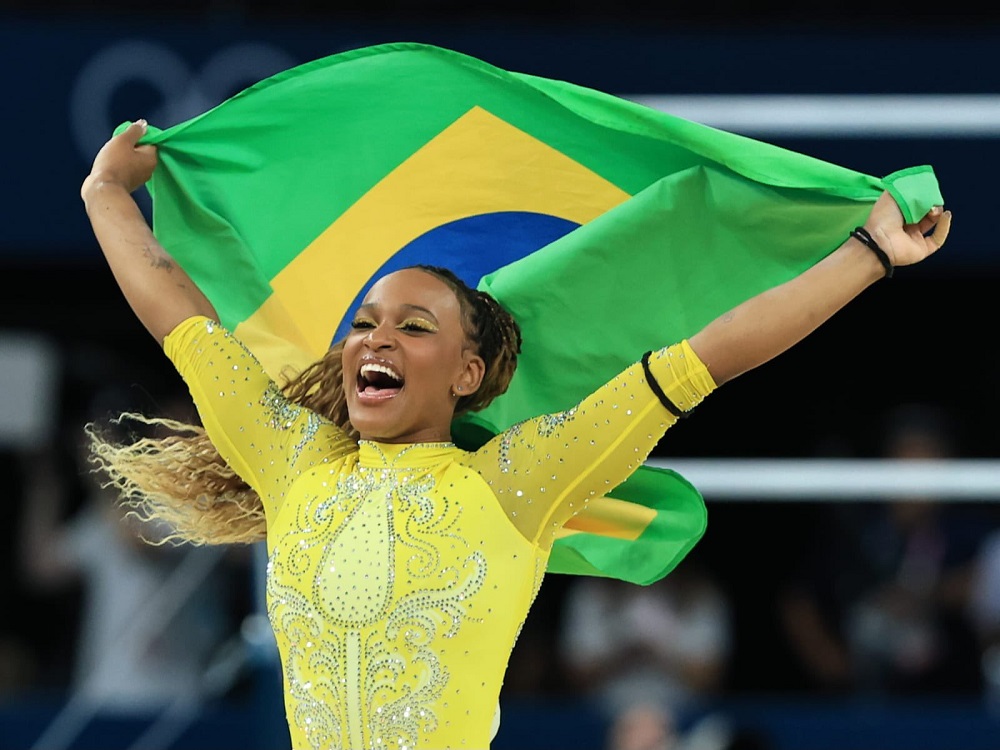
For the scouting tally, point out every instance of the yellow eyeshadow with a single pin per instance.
(420, 323)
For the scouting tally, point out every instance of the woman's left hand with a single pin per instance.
(906, 244)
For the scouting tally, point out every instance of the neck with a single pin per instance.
(420, 436)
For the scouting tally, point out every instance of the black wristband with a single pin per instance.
(861, 235)
(655, 388)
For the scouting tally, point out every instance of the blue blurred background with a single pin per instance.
(793, 625)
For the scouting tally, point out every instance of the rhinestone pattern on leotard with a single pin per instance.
(399, 577)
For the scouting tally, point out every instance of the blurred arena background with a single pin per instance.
(844, 597)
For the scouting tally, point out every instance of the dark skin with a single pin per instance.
(411, 323)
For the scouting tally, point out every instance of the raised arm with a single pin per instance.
(766, 325)
(158, 291)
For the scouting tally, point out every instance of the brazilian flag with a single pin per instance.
(605, 227)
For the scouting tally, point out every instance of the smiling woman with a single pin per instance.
(451, 347)
(401, 567)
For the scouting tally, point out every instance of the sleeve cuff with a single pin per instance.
(683, 377)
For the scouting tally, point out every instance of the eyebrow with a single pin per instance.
(408, 306)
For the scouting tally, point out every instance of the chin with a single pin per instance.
(367, 427)
(373, 426)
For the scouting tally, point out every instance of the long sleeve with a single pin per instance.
(266, 439)
(545, 470)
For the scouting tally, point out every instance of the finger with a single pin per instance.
(940, 233)
(930, 219)
(148, 157)
(134, 132)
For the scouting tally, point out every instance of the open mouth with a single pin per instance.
(378, 381)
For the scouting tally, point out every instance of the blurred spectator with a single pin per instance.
(145, 636)
(879, 605)
(643, 726)
(646, 726)
(30, 366)
(984, 609)
(647, 656)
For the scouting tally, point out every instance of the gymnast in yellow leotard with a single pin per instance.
(400, 567)
(400, 573)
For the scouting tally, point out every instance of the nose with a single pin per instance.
(379, 338)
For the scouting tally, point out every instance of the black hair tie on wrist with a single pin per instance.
(655, 387)
(861, 235)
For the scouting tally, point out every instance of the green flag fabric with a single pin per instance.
(605, 227)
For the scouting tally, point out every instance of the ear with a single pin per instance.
(471, 376)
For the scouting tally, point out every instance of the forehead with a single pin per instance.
(411, 286)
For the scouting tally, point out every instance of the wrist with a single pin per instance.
(856, 254)
(100, 182)
(867, 239)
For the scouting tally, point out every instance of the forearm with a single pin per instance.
(159, 292)
(771, 322)
(590, 448)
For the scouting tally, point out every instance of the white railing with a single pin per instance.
(870, 480)
(838, 116)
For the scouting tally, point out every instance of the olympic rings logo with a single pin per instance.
(183, 92)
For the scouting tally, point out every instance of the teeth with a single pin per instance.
(365, 369)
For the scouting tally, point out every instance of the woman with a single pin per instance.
(400, 567)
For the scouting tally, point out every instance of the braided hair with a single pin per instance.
(494, 332)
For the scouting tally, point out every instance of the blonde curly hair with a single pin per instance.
(173, 474)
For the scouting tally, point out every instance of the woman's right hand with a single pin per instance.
(907, 243)
(159, 291)
(121, 162)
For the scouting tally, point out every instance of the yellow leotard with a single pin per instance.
(399, 576)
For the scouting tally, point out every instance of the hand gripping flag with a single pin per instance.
(605, 227)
